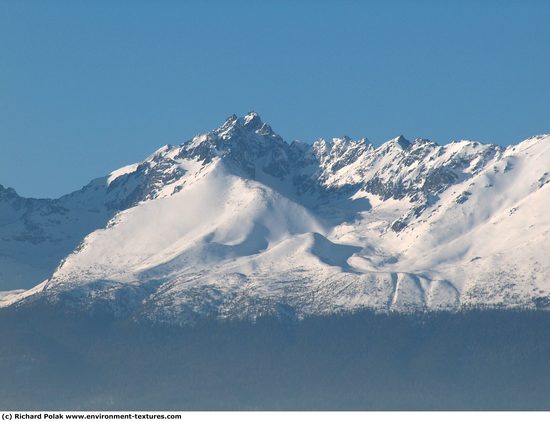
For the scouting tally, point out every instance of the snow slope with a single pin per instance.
(239, 223)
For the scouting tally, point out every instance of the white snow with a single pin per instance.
(121, 171)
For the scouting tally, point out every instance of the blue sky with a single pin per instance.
(86, 87)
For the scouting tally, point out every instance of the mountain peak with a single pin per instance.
(228, 124)
(7, 192)
(401, 141)
(252, 121)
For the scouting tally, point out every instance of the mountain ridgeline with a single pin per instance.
(239, 224)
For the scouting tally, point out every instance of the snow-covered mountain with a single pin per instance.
(239, 223)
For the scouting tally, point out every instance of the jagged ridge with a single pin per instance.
(239, 223)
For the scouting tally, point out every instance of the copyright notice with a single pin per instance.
(14, 416)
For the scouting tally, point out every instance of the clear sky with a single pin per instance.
(88, 86)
